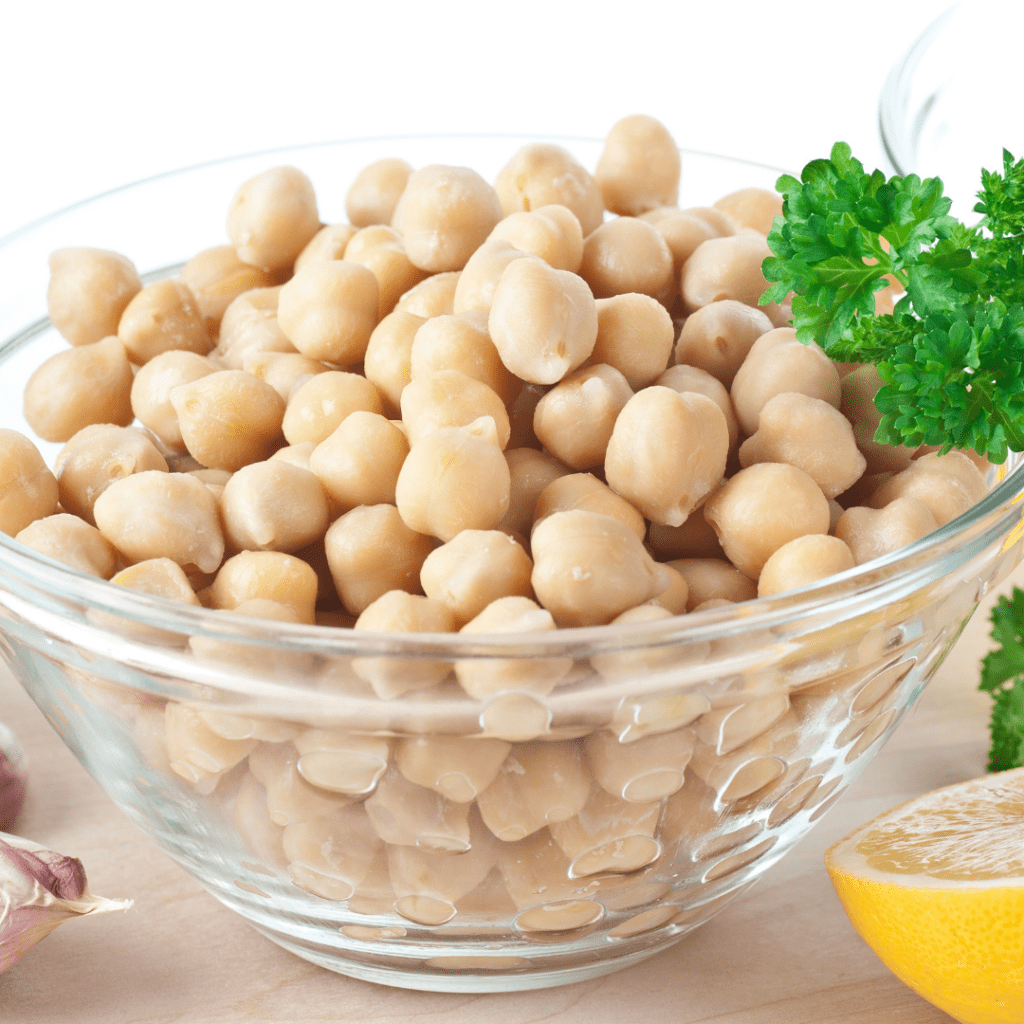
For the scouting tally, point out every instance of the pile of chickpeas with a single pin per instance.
(483, 408)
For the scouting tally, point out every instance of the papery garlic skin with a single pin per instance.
(40, 889)
(12, 779)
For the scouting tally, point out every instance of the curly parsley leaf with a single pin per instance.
(1002, 675)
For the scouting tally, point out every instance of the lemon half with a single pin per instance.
(936, 888)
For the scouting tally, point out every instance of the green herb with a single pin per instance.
(951, 352)
(1002, 675)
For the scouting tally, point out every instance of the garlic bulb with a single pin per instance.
(12, 779)
(40, 889)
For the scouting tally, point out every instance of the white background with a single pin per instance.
(96, 94)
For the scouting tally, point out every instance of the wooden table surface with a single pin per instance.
(782, 954)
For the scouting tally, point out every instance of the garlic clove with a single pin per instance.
(12, 779)
(40, 889)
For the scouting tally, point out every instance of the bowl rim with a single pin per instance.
(870, 584)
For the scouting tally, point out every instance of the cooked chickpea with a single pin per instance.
(250, 325)
(160, 577)
(683, 378)
(948, 484)
(434, 296)
(162, 515)
(151, 392)
(216, 277)
(370, 551)
(542, 321)
(388, 359)
(859, 388)
(88, 291)
(329, 309)
(28, 490)
(713, 579)
(92, 460)
(574, 420)
(754, 208)
(542, 174)
(777, 363)
(395, 273)
(551, 232)
(682, 232)
(77, 387)
(272, 218)
(638, 169)
(808, 433)
(282, 370)
(628, 255)
(635, 335)
(480, 275)
(530, 471)
(444, 214)
(317, 406)
(161, 317)
(448, 398)
(475, 568)
(273, 506)
(585, 491)
(667, 453)
(372, 197)
(369, 238)
(761, 508)
(267, 576)
(461, 342)
(359, 463)
(802, 561)
(329, 243)
(718, 336)
(871, 533)
(228, 418)
(455, 479)
(725, 268)
(73, 542)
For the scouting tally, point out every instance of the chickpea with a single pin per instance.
(216, 277)
(589, 568)
(754, 208)
(395, 273)
(160, 577)
(667, 453)
(228, 418)
(370, 551)
(434, 296)
(715, 219)
(28, 490)
(542, 321)
(713, 579)
(803, 561)
(530, 471)
(88, 291)
(872, 533)
(628, 255)
(475, 568)
(329, 243)
(461, 342)
(455, 479)
(480, 275)
(444, 214)
(273, 506)
(359, 463)
(857, 404)
(372, 197)
(778, 363)
(635, 335)
(763, 507)
(682, 232)
(684, 378)
(162, 515)
(272, 218)
(388, 360)
(448, 398)
(161, 317)
(91, 461)
(317, 406)
(249, 325)
(329, 309)
(675, 596)
(151, 392)
(551, 232)
(585, 491)
(948, 484)
(725, 268)
(282, 370)
(80, 386)
(808, 433)
(575, 419)
(266, 576)
(718, 336)
(73, 542)
(638, 169)
(369, 238)
(542, 174)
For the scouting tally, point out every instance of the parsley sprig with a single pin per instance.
(951, 353)
(1002, 675)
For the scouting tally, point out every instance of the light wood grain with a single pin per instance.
(782, 954)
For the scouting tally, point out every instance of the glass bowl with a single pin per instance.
(952, 102)
(433, 840)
